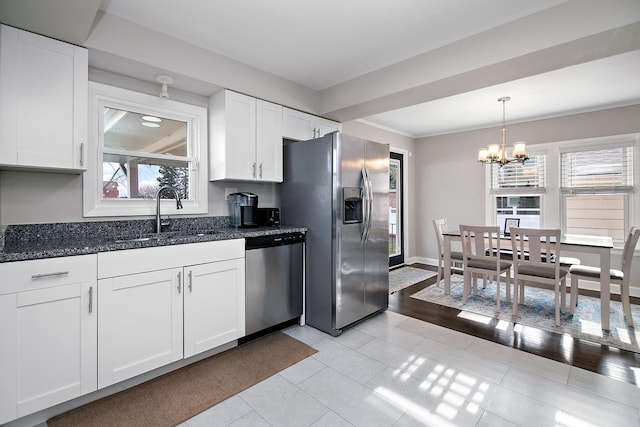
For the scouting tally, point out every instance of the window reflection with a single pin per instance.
(141, 153)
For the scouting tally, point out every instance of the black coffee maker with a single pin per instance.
(243, 208)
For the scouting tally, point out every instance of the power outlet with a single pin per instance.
(228, 191)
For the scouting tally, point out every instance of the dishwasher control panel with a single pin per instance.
(273, 240)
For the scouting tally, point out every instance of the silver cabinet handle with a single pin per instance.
(179, 281)
(190, 281)
(91, 299)
(260, 170)
(45, 275)
(82, 154)
(254, 169)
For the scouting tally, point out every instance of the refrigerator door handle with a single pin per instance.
(365, 204)
(370, 204)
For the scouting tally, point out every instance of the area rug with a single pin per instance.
(539, 312)
(179, 395)
(403, 277)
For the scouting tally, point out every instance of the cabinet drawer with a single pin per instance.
(134, 261)
(37, 274)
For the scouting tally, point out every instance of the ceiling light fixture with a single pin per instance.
(495, 153)
(165, 80)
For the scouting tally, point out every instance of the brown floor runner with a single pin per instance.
(179, 395)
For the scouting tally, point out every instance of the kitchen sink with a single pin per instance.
(147, 238)
(204, 233)
(167, 235)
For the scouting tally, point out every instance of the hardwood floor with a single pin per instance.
(610, 361)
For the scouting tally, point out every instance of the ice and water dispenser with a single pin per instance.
(352, 202)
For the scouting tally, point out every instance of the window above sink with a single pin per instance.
(137, 143)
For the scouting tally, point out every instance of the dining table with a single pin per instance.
(572, 242)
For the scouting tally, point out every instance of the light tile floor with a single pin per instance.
(394, 370)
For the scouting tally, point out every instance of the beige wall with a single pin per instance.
(450, 183)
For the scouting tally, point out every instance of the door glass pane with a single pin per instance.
(395, 244)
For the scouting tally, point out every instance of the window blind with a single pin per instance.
(597, 171)
(517, 177)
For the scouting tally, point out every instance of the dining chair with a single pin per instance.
(620, 277)
(477, 260)
(440, 226)
(535, 251)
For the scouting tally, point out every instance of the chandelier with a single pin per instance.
(495, 153)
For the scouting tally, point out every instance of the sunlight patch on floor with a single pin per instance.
(567, 346)
(564, 419)
(534, 336)
(624, 335)
(503, 325)
(409, 367)
(636, 374)
(417, 411)
(475, 317)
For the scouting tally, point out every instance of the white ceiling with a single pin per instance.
(596, 85)
(320, 44)
(418, 67)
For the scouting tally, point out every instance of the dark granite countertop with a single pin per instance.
(38, 241)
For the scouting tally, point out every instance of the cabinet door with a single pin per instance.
(297, 125)
(43, 108)
(240, 136)
(324, 126)
(269, 141)
(213, 305)
(49, 347)
(140, 325)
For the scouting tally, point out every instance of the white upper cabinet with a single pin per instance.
(302, 126)
(43, 107)
(246, 138)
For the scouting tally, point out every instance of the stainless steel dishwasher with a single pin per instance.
(274, 280)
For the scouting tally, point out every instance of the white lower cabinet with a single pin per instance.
(140, 325)
(151, 318)
(72, 325)
(48, 331)
(213, 305)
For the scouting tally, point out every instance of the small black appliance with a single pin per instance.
(268, 217)
(243, 209)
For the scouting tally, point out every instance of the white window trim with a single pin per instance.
(195, 116)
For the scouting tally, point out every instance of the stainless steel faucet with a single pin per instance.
(178, 205)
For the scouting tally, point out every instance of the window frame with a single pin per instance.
(628, 191)
(552, 200)
(94, 205)
(494, 193)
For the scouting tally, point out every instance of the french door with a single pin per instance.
(396, 197)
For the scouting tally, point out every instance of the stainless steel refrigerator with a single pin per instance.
(338, 187)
